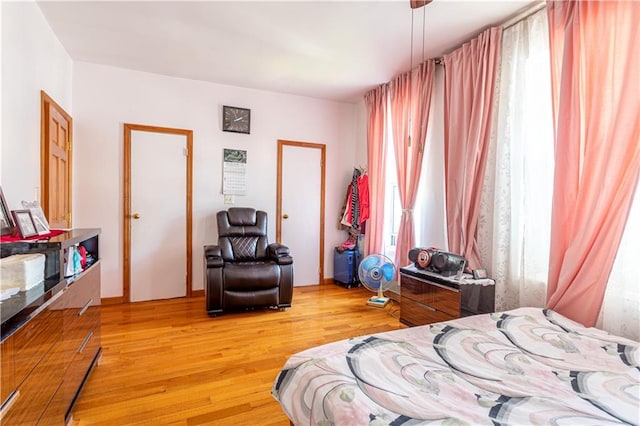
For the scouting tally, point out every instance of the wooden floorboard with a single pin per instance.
(168, 363)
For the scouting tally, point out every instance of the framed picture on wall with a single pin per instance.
(24, 223)
(6, 221)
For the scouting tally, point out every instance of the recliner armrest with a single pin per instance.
(279, 253)
(213, 256)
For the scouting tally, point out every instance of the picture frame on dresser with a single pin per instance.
(39, 219)
(24, 223)
(479, 274)
(6, 220)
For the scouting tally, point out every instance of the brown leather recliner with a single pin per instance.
(244, 270)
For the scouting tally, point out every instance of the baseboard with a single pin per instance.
(328, 281)
(120, 299)
(112, 300)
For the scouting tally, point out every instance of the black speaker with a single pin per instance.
(438, 261)
(447, 263)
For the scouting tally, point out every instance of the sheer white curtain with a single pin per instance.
(620, 312)
(515, 216)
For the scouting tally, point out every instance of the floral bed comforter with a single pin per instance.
(525, 366)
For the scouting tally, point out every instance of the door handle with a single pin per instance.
(285, 216)
(136, 215)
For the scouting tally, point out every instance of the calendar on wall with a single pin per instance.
(234, 172)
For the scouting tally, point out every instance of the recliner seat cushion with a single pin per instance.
(259, 276)
(243, 299)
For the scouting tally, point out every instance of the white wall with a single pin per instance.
(106, 97)
(32, 60)
(361, 133)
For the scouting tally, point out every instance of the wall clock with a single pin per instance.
(236, 119)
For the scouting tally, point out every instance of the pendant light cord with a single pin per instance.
(424, 20)
(424, 25)
(410, 83)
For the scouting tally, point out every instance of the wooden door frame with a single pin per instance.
(45, 102)
(323, 152)
(128, 128)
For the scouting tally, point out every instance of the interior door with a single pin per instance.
(158, 216)
(301, 208)
(56, 155)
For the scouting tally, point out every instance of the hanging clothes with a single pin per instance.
(363, 197)
(356, 206)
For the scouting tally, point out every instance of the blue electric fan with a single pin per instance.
(376, 271)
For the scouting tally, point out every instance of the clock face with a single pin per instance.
(236, 119)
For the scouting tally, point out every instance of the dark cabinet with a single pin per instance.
(7, 373)
(426, 297)
(51, 334)
(39, 366)
(81, 333)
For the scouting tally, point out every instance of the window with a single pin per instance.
(392, 206)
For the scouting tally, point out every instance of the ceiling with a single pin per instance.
(335, 50)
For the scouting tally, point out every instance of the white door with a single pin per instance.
(301, 210)
(158, 210)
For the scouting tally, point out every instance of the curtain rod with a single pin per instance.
(523, 15)
(514, 20)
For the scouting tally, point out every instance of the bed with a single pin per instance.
(524, 366)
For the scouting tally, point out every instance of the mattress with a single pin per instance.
(524, 366)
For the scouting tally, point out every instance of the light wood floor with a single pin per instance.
(167, 362)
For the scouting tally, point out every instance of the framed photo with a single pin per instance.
(479, 274)
(39, 219)
(6, 221)
(24, 222)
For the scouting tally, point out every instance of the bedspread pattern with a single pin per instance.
(525, 366)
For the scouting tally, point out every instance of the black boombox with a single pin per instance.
(438, 261)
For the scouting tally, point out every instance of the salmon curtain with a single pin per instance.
(595, 69)
(410, 96)
(376, 105)
(469, 90)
